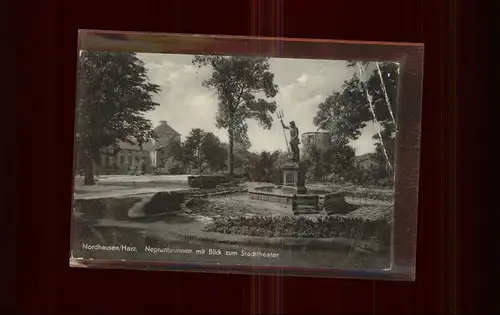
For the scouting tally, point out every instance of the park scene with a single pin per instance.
(178, 156)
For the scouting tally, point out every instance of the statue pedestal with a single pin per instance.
(293, 179)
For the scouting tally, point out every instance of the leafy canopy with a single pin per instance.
(238, 81)
(113, 94)
(344, 114)
(203, 149)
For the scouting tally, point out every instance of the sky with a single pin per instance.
(303, 84)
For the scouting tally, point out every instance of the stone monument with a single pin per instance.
(294, 179)
(293, 190)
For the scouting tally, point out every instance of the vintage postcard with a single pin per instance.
(205, 153)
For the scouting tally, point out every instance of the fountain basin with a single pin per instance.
(311, 202)
(271, 193)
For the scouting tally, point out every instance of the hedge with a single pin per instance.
(302, 227)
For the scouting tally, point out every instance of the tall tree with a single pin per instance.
(193, 152)
(175, 150)
(112, 96)
(345, 113)
(335, 159)
(237, 81)
(214, 153)
(339, 159)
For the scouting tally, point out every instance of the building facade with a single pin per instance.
(142, 158)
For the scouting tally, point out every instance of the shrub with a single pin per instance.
(158, 170)
(176, 169)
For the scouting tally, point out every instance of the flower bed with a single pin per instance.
(302, 227)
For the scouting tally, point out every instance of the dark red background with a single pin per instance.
(40, 129)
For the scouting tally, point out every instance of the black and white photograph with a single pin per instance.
(234, 160)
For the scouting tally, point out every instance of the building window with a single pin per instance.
(129, 160)
(122, 160)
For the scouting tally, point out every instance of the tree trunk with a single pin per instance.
(231, 153)
(89, 172)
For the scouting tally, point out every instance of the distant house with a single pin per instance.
(158, 148)
(366, 161)
(132, 155)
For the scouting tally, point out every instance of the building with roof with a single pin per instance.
(131, 155)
